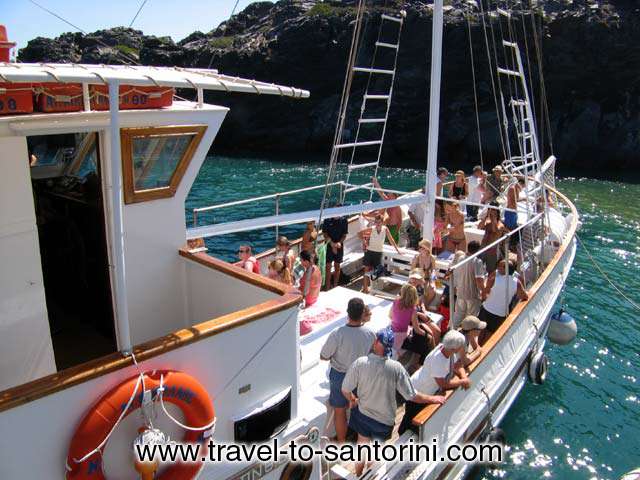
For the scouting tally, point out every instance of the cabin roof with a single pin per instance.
(141, 76)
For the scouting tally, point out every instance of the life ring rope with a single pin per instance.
(115, 425)
(211, 426)
(103, 419)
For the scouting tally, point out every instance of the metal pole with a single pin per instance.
(507, 299)
(277, 213)
(200, 97)
(452, 302)
(120, 279)
(434, 118)
(86, 99)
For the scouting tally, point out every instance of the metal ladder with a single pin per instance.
(372, 99)
(528, 161)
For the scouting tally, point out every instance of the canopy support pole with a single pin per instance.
(119, 279)
(434, 118)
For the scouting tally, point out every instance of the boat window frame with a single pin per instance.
(127, 136)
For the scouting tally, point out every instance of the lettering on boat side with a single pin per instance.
(180, 393)
(257, 470)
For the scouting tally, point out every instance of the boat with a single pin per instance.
(120, 328)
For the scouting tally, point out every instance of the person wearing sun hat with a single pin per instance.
(471, 327)
(376, 378)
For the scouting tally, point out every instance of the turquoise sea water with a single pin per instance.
(584, 422)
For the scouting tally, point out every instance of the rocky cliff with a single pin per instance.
(591, 64)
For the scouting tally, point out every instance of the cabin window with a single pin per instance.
(154, 160)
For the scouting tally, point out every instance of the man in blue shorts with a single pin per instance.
(343, 346)
(511, 214)
(334, 231)
(376, 378)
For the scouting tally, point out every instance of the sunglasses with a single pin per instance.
(243, 250)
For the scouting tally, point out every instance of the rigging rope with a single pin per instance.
(543, 90)
(138, 12)
(333, 160)
(491, 75)
(475, 92)
(606, 277)
(118, 52)
(231, 15)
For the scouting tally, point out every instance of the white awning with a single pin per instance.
(177, 77)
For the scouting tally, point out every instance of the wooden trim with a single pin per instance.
(131, 195)
(289, 297)
(424, 416)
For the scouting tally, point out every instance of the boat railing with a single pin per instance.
(530, 244)
(535, 288)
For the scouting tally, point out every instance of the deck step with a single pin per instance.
(387, 45)
(357, 166)
(358, 144)
(376, 97)
(391, 19)
(373, 70)
(372, 120)
(506, 71)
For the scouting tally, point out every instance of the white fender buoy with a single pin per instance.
(632, 475)
(562, 328)
(538, 367)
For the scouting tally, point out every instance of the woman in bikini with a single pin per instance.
(460, 187)
(493, 230)
(426, 262)
(439, 226)
(455, 223)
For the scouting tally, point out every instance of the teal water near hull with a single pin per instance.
(584, 422)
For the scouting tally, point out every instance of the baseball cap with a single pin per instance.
(471, 322)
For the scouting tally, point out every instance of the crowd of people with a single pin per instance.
(365, 372)
(435, 351)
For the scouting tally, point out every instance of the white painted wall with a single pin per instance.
(214, 361)
(211, 293)
(26, 352)
(155, 230)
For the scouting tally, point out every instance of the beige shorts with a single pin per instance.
(463, 308)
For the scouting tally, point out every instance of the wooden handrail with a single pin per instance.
(427, 412)
(288, 297)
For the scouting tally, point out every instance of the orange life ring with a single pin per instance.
(181, 389)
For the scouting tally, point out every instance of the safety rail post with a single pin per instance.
(506, 272)
(195, 217)
(451, 298)
(277, 213)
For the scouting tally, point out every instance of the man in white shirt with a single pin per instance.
(441, 371)
(475, 194)
(376, 378)
(499, 292)
(342, 347)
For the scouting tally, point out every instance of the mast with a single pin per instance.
(434, 119)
